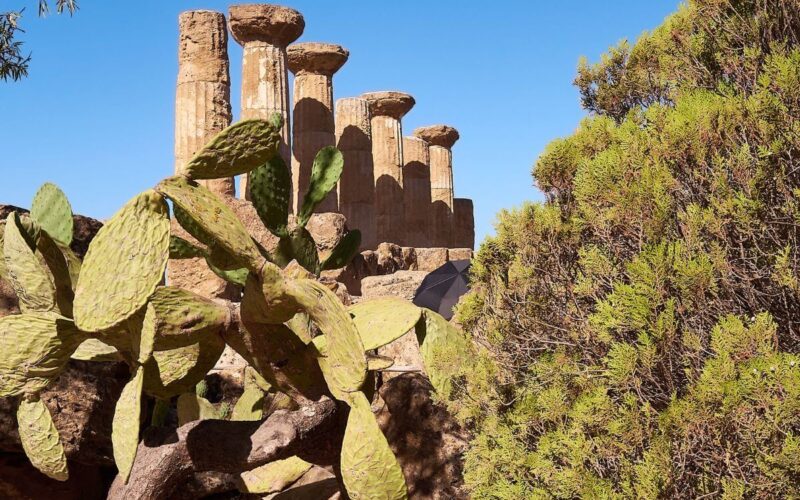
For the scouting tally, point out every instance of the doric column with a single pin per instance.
(416, 191)
(203, 94)
(313, 65)
(357, 185)
(264, 31)
(202, 109)
(441, 139)
(386, 110)
(463, 223)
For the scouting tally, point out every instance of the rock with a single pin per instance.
(328, 229)
(429, 259)
(316, 484)
(246, 213)
(401, 284)
(274, 24)
(438, 135)
(194, 274)
(409, 258)
(84, 228)
(459, 254)
(390, 258)
(424, 437)
(405, 353)
(315, 57)
(81, 401)
(9, 303)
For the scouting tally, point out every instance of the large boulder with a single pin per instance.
(401, 284)
(429, 259)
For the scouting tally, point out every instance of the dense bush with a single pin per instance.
(640, 330)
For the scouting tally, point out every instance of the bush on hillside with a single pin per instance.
(640, 329)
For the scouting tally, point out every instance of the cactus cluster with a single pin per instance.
(301, 343)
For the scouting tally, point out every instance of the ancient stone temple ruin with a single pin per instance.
(397, 190)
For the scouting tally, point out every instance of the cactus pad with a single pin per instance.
(273, 477)
(382, 320)
(249, 406)
(346, 365)
(173, 372)
(34, 348)
(377, 363)
(182, 249)
(299, 246)
(236, 150)
(125, 427)
(124, 264)
(270, 187)
(182, 318)
(192, 407)
(51, 209)
(444, 350)
(58, 265)
(40, 439)
(96, 350)
(215, 219)
(26, 271)
(325, 173)
(344, 251)
(369, 468)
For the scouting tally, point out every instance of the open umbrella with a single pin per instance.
(441, 289)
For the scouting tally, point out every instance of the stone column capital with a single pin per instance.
(316, 58)
(268, 23)
(389, 103)
(438, 135)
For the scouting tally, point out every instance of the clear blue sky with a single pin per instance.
(96, 113)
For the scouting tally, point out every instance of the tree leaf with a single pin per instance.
(344, 251)
(40, 439)
(382, 320)
(369, 468)
(270, 188)
(215, 219)
(52, 211)
(325, 173)
(124, 264)
(125, 427)
(236, 150)
(26, 272)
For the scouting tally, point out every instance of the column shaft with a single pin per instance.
(442, 195)
(416, 191)
(357, 185)
(265, 91)
(463, 223)
(313, 130)
(387, 154)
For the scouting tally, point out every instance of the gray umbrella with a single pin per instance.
(441, 289)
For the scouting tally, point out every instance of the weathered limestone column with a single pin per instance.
(441, 139)
(463, 223)
(202, 109)
(357, 185)
(203, 94)
(416, 191)
(264, 31)
(386, 110)
(313, 65)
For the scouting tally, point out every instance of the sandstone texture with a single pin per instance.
(417, 191)
(463, 223)
(441, 139)
(429, 259)
(313, 65)
(460, 254)
(357, 184)
(400, 284)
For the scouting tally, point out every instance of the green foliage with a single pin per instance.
(52, 211)
(638, 330)
(40, 438)
(325, 173)
(270, 189)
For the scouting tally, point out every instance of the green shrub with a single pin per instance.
(639, 330)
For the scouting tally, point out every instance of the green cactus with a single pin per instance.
(299, 245)
(182, 318)
(250, 404)
(26, 271)
(382, 320)
(273, 477)
(193, 407)
(182, 249)
(135, 263)
(344, 251)
(236, 150)
(325, 173)
(96, 350)
(378, 363)
(175, 371)
(40, 438)
(270, 190)
(369, 468)
(442, 347)
(125, 426)
(52, 211)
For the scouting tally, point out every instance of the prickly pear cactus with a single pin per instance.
(249, 407)
(236, 150)
(369, 468)
(124, 264)
(34, 348)
(214, 218)
(299, 245)
(192, 406)
(175, 371)
(182, 318)
(382, 320)
(344, 251)
(125, 426)
(273, 477)
(96, 350)
(325, 173)
(27, 272)
(40, 438)
(270, 188)
(442, 347)
(52, 211)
